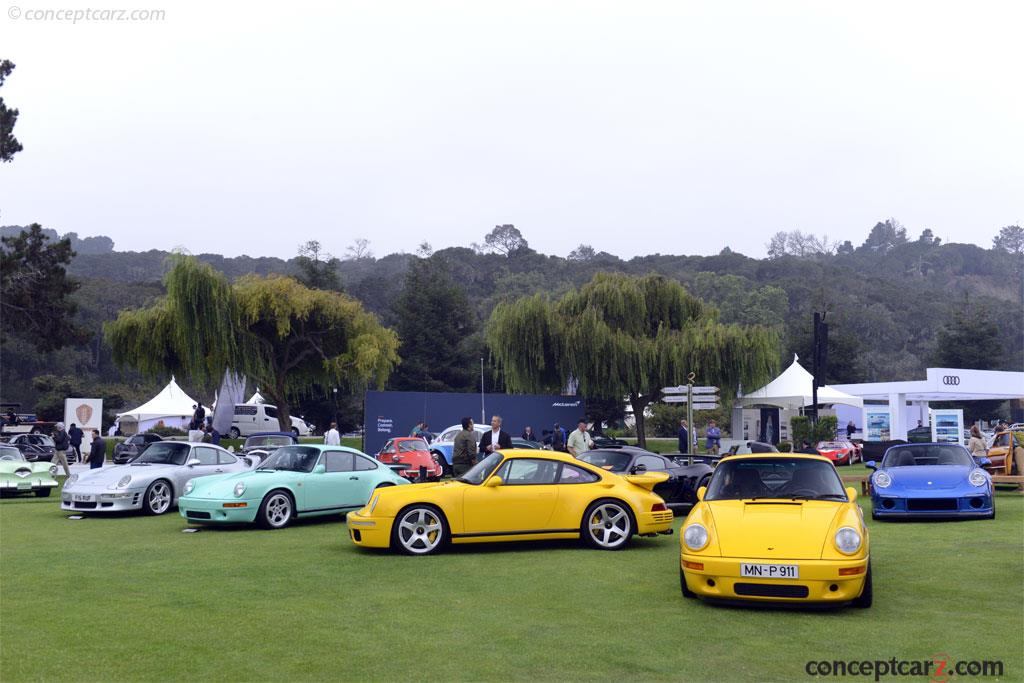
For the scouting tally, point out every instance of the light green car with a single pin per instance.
(17, 475)
(294, 481)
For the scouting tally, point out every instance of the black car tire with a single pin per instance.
(276, 511)
(233, 433)
(147, 505)
(687, 593)
(865, 598)
(604, 507)
(295, 431)
(43, 493)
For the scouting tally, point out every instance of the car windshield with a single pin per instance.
(292, 459)
(11, 453)
(163, 453)
(927, 454)
(831, 445)
(412, 445)
(483, 469)
(38, 440)
(792, 478)
(136, 440)
(270, 440)
(614, 461)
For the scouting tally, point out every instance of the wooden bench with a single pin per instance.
(1014, 479)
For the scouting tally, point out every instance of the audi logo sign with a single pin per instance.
(951, 380)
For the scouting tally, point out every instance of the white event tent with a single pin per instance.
(792, 391)
(172, 406)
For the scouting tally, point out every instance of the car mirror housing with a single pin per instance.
(637, 469)
(851, 493)
(320, 469)
(701, 491)
(193, 462)
(871, 465)
(493, 481)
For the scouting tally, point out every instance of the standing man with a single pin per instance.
(684, 437)
(61, 442)
(850, 429)
(331, 436)
(713, 440)
(528, 434)
(199, 416)
(464, 449)
(557, 439)
(495, 439)
(579, 441)
(75, 437)
(97, 450)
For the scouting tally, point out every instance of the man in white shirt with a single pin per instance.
(579, 441)
(331, 436)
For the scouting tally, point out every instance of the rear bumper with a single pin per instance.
(819, 580)
(212, 511)
(654, 522)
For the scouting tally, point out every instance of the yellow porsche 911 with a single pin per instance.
(515, 495)
(776, 526)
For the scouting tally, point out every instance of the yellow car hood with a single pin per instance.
(783, 530)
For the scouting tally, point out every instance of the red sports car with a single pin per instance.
(840, 452)
(413, 452)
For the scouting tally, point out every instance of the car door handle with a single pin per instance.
(218, 470)
(353, 478)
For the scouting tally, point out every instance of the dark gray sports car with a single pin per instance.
(679, 490)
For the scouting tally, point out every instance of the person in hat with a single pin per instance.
(61, 443)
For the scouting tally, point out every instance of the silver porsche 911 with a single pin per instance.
(152, 482)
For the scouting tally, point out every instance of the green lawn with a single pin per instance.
(135, 599)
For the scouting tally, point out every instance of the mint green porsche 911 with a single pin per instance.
(295, 481)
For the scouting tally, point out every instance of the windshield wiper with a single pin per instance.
(821, 496)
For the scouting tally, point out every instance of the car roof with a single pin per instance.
(288, 434)
(777, 456)
(535, 453)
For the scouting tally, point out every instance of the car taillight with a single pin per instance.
(659, 507)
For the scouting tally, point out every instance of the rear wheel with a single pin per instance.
(608, 525)
(234, 433)
(295, 431)
(687, 593)
(419, 530)
(864, 599)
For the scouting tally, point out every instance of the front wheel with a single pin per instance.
(158, 498)
(607, 525)
(419, 530)
(275, 511)
(687, 593)
(865, 598)
(234, 433)
(295, 431)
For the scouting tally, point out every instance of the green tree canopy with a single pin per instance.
(282, 335)
(9, 145)
(625, 336)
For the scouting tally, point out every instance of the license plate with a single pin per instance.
(24, 485)
(81, 497)
(770, 571)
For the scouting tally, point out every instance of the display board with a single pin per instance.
(87, 414)
(388, 414)
(877, 423)
(948, 425)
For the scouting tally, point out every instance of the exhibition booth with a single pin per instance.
(172, 406)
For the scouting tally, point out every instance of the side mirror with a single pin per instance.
(851, 493)
(320, 469)
(494, 481)
(637, 469)
(871, 465)
(700, 492)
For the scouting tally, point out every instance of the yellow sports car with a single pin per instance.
(776, 526)
(515, 495)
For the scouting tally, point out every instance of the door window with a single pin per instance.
(526, 471)
(338, 461)
(270, 411)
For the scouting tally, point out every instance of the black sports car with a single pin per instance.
(130, 448)
(36, 447)
(680, 490)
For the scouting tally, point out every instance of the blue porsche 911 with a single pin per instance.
(930, 480)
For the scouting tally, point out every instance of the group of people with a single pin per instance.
(712, 437)
(467, 451)
(70, 439)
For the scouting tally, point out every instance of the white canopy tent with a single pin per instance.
(256, 398)
(172, 406)
(792, 390)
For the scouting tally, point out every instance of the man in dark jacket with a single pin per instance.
(494, 439)
(97, 451)
(684, 437)
(464, 448)
(61, 443)
(75, 437)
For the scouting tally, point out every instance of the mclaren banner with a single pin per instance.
(389, 414)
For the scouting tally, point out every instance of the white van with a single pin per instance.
(252, 418)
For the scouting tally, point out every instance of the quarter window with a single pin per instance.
(364, 463)
(338, 461)
(245, 410)
(226, 458)
(206, 456)
(577, 475)
(651, 462)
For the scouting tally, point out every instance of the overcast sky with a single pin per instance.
(636, 127)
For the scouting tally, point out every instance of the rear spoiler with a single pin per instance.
(705, 458)
(647, 480)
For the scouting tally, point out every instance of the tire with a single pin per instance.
(276, 511)
(43, 493)
(608, 525)
(687, 593)
(419, 530)
(446, 469)
(295, 431)
(233, 433)
(864, 600)
(158, 498)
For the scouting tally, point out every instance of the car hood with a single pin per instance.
(929, 477)
(786, 530)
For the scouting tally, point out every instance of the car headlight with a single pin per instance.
(373, 502)
(124, 481)
(848, 540)
(239, 489)
(71, 480)
(977, 478)
(53, 471)
(189, 485)
(882, 480)
(695, 537)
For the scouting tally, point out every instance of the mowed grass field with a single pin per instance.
(132, 598)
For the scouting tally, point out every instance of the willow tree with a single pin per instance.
(625, 336)
(280, 334)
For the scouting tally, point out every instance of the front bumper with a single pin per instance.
(924, 507)
(369, 531)
(27, 485)
(101, 500)
(819, 580)
(212, 510)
